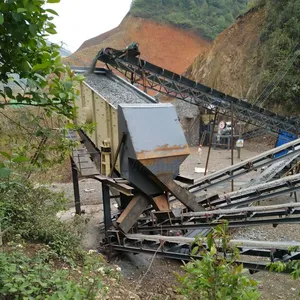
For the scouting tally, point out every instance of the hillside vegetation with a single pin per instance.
(207, 17)
(257, 58)
(281, 54)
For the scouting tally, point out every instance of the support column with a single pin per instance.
(232, 145)
(212, 129)
(106, 207)
(75, 187)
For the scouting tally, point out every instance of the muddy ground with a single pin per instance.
(160, 281)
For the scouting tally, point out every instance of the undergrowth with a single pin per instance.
(30, 213)
(41, 275)
(40, 256)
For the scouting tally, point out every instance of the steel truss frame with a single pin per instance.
(249, 195)
(148, 75)
(246, 166)
(169, 249)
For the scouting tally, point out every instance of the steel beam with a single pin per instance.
(270, 245)
(254, 193)
(75, 187)
(253, 266)
(232, 224)
(245, 166)
(106, 207)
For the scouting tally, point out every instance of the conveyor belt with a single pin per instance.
(267, 245)
(148, 75)
(251, 194)
(140, 72)
(247, 216)
(246, 166)
(166, 246)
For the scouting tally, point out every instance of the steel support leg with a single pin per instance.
(212, 129)
(76, 187)
(106, 207)
(232, 145)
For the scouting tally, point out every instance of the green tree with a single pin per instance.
(25, 26)
(281, 55)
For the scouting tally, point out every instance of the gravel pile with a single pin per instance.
(185, 110)
(115, 91)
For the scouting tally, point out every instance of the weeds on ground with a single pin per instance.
(42, 275)
(292, 267)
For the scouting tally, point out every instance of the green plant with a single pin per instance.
(292, 267)
(31, 211)
(280, 84)
(24, 28)
(39, 275)
(6, 164)
(216, 275)
(44, 84)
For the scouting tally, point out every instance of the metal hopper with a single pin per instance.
(155, 144)
(154, 148)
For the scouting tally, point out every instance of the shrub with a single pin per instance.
(216, 276)
(39, 276)
(30, 212)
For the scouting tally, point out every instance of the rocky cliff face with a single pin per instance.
(167, 46)
(233, 62)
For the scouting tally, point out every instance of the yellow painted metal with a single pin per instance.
(93, 108)
(105, 158)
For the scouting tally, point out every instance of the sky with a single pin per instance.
(80, 20)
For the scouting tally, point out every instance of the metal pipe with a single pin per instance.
(210, 141)
(232, 145)
(75, 187)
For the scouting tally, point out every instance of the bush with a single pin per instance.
(216, 276)
(280, 83)
(39, 276)
(30, 212)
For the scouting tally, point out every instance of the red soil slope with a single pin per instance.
(233, 63)
(169, 47)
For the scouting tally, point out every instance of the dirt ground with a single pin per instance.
(160, 281)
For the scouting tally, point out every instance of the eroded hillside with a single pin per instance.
(257, 58)
(165, 45)
(234, 61)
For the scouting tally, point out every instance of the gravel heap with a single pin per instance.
(185, 110)
(115, 91)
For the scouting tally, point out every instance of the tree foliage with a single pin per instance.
(281, 54)
(208, 17)
(44, 82)
(25, 26)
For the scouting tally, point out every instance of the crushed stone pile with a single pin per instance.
(115, 91)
